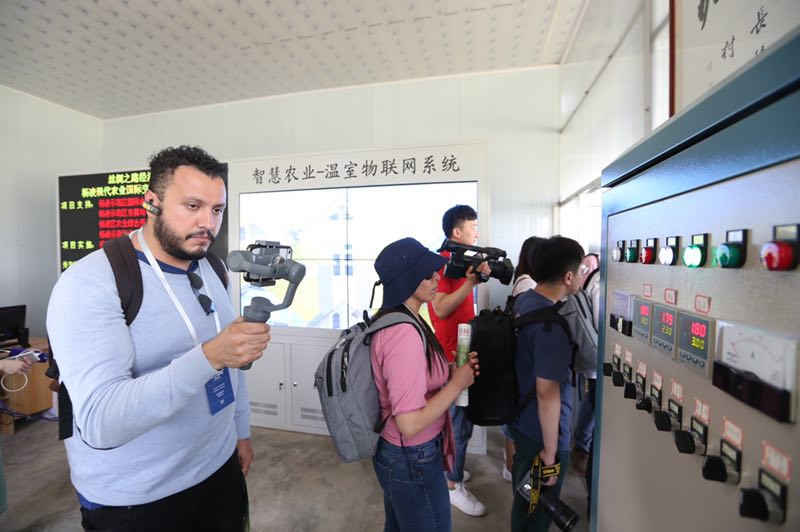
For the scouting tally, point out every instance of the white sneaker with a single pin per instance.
(506, 474)
(464, 500)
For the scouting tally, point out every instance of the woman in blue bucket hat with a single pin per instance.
(416, 386)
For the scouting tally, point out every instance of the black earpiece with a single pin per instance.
(149, 207)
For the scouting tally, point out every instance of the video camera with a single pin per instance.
(500, 266)
(532, 490)
(263, 263)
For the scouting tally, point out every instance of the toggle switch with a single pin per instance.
(767, 502)
(720, 469)
(608, 369)
(783, 252)
(694, 440)
(666, 421)
(757, 504)
(646, 404)
(617, 379)
(635, 390)
(688, 442)
(670, 419)
(630, 391)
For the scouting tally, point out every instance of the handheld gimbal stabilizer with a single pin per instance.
(264, 263)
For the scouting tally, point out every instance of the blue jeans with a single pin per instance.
(462, 431)
(415, 495)
(584, 427)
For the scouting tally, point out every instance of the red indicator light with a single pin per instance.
(778, 255)
(647, 255)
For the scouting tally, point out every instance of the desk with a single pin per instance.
(34, 398)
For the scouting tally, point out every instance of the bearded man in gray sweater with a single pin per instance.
(161, 437)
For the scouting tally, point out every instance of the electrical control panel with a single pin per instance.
(701, 326)
(724, 337)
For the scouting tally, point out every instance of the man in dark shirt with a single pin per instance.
(543, 361)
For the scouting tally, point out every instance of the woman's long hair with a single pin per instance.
(434, 348)
(525, 256)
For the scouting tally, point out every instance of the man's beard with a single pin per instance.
(172, 243)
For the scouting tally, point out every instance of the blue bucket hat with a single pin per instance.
(401, 266)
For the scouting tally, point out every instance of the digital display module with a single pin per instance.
(694, 342)
(642, 311)
(664, 321)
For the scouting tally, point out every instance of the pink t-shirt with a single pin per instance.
(404, 384)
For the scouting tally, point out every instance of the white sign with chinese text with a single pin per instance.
(714, 38)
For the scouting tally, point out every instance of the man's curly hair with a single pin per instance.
(164, 163)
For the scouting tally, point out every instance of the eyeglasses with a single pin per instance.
(197, 283)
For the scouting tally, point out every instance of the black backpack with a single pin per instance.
(128, 276)
(494, 396)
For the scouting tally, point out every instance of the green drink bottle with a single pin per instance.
(462, 349)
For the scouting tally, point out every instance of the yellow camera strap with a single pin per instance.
(540, 472)
(551, 470)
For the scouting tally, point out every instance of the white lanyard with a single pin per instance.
(168, 288)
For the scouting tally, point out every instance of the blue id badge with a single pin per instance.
(219, 391)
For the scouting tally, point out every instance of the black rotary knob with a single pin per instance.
(753, 504)
(714, 469)
(684, 441)
(645, 403)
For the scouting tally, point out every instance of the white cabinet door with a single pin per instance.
(267, 386)
(306, 410)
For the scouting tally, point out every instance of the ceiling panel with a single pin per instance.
(114, 58)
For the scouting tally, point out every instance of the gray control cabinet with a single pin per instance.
(701, 315)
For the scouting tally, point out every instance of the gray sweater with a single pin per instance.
(143, 426)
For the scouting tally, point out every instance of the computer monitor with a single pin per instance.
(12, 324)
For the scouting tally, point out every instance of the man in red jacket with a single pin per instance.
(454, 303)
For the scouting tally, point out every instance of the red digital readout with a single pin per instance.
(699, 329)
(644, 310)
(667, 318)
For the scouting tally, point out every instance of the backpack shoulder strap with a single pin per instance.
(509, 308)
(547, 315)
(125, 265)
(395, 318)
(584, 303)
(589, 278)
(219, 268)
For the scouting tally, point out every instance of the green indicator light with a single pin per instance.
(630, 255)
(729, 256)
(694, 256)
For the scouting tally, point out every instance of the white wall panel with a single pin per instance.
(38, 142)
(611, 118)
(259, 127)
(135, 139)
(332, 120)
(515, 113)
(417, 113)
